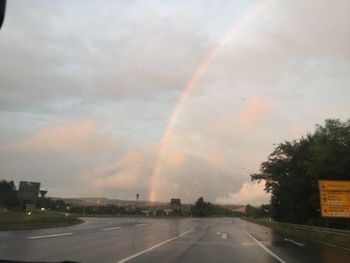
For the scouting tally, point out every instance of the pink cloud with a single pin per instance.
(78, 137)
(132, 170)
(255, 111)
(206, 151)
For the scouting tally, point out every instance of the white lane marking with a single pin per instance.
(265, 248)
(151, 248)
(224, 236)
(54, 235)
(294, 242)
(111, 228)
(218, 233)
(141, 224)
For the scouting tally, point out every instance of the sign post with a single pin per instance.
(334, 198)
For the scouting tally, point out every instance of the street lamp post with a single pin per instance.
(137, 203)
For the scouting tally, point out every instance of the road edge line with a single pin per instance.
(153, 247)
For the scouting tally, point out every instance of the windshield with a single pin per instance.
(174, 130)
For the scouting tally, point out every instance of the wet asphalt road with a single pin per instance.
(163, 240)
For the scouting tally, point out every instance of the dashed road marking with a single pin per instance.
(153, 247)
(294, 242)
(111, 228)
(53, 235)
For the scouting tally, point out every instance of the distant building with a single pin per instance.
(28, 193)
(175, 204)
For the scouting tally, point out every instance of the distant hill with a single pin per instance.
(233, 206)
(90, 201)
(106, 201)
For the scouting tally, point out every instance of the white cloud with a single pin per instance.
(250, 193)
(87, 90)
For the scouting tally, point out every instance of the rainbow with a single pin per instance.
(191, 84)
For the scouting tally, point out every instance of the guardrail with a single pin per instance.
(322, 229)
(297, 226)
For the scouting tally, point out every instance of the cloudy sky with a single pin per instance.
(165, 98)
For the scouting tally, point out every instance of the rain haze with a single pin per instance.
(165, 98)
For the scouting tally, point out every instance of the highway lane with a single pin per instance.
(163, 240)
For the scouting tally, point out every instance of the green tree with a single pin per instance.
(202, 208)
(292, 171)
(8, 194)
(257, 212)
(331, 151)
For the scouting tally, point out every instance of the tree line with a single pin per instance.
(8, 195)
(292, 171)
(9, 200)
(204, 209)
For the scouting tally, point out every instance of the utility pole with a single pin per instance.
(137, 203)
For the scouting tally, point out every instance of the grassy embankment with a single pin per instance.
(20, 220)
(338, 239)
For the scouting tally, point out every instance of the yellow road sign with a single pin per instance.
(335, 211)
(335, 198)
(326, 185)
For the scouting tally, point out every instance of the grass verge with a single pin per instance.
(337, 239)
(38, 219)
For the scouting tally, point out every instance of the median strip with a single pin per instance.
(53, 235)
